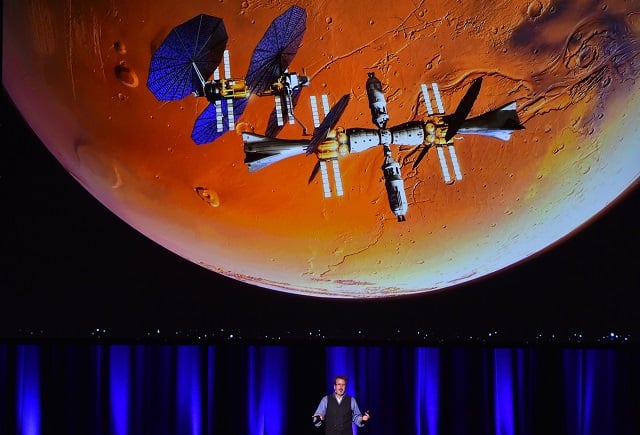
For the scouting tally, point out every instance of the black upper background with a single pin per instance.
(71, 270)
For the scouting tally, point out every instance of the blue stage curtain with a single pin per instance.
(272, 390)
(601, 394)
(426, 407)
(28, 390)
(267, 390)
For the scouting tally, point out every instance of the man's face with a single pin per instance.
(339, 386)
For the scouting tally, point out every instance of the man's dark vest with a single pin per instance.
(338, 417)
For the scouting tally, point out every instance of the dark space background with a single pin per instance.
(71, 270)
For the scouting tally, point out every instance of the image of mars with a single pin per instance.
(77, 70)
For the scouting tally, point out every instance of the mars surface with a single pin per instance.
(78, 71)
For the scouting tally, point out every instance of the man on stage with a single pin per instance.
(339, 410)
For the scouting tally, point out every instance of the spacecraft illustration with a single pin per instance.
(328, 142)
(437, 130)
(187, 62)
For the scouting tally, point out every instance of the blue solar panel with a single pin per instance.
(276, 49)
(205, 129)
(198, 43)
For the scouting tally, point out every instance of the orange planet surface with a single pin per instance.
(77, 71)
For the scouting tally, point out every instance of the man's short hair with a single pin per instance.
(344, 378)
